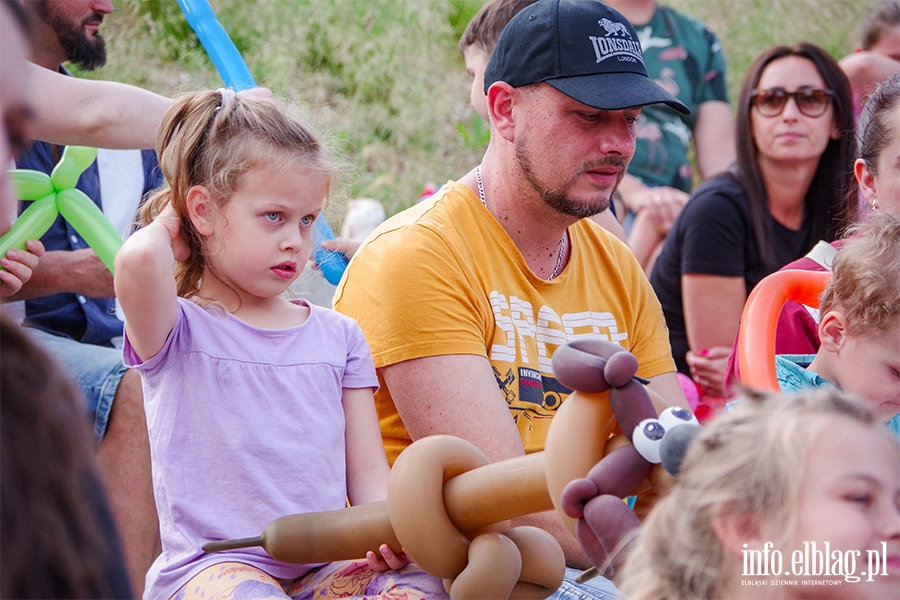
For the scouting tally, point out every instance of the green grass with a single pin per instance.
(747, 27)
(382, 79)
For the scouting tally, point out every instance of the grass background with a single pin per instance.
(382, 79)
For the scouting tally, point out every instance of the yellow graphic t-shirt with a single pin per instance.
(444, 278)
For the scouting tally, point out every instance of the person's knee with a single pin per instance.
(234, 579)
(128, 405)
(130, 387)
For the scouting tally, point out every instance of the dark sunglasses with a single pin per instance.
(812, 102)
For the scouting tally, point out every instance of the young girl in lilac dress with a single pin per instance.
(257, 406)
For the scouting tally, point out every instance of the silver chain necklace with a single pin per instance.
(562, 241)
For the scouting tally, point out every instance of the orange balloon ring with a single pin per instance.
(759, 323)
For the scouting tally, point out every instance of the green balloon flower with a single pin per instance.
(57, 195)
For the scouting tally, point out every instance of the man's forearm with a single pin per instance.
(78, 272)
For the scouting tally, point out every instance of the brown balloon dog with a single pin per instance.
(604, 522)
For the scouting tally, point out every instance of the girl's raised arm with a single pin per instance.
(145, 282)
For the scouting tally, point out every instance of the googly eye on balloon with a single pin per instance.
(647, 437)
(675, 415)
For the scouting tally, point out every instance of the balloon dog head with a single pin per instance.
(604, 521)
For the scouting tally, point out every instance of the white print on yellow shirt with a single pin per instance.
(515, 318)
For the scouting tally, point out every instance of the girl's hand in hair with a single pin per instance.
(171, 221)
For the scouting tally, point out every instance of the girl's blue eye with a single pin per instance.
(273, 216)
(864, 499)
(307, 220)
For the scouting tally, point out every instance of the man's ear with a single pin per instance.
(735, 528)
(501, 98)
(201, 209)
(866, 180)
(832, 329)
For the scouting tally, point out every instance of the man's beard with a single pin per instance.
(558, 198)
(80, 49)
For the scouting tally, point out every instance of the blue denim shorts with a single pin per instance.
(96, 369)
(598, 588)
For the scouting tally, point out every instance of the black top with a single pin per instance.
(713, 235)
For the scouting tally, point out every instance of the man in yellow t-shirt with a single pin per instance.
(445, 278)
(465, 297)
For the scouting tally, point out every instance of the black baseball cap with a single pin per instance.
(583, 48)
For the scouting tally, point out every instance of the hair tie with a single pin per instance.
(228, 96)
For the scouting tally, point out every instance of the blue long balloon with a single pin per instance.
(331, 263)
(222, 51)
(234, 72)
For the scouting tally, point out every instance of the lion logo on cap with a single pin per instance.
(613, 28)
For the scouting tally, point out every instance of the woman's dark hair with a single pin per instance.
(875, 128)
(52, 517)
(827, 211)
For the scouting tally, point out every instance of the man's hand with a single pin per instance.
(86, 274)
(68, 271)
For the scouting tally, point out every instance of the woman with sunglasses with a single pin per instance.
(787, 190)
(877, 172)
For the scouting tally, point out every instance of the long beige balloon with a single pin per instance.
(443, 494)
